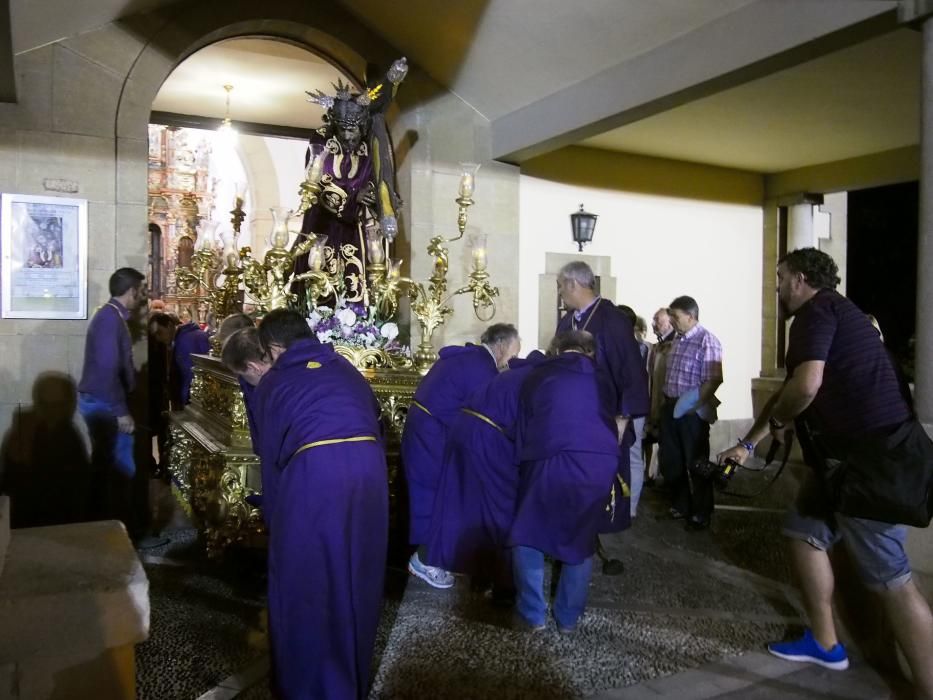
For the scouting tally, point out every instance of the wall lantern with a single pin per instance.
(583, 224)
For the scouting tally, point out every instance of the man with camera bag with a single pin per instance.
(871, 464)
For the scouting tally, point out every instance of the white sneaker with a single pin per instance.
(431, 575)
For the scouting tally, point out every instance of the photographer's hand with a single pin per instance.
(738, 453)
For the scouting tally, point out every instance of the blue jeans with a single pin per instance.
(110, 449)
(572, 588)
(637, 463)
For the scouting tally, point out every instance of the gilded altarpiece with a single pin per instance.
(180, 196)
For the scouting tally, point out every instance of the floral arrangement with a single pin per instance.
(356, 325)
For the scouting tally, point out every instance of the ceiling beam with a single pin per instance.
(190, 121)
(758, 39)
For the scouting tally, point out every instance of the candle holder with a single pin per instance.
(310, 189)
(430, 301)
(465, 194)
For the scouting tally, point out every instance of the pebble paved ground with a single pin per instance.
(688, 618)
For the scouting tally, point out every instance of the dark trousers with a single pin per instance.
(684, 441)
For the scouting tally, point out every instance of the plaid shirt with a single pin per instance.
(692, 361)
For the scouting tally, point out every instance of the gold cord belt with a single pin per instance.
(483, 418)
(334, 441)
(415, 403)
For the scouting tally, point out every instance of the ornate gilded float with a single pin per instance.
(211, 459)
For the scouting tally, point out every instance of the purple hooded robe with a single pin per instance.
(479, 485)
(326, 508)
(189, 340)
(458, 372)
(565, 439)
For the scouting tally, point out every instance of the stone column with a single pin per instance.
(800, 231)
(923, 393)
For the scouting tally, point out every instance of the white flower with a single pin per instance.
(314, 319)
(389, 331)
(346, 317)
(325, 336)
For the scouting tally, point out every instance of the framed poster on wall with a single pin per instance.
(43, 243)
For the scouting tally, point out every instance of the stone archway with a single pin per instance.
(163, 39)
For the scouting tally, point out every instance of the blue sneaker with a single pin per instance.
(808, 650)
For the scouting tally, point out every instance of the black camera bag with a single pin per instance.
(885, 478)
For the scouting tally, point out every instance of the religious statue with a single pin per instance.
(350, 174)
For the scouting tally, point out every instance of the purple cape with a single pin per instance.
(476, 495)
(444, 390)
(566, 442)
(327, 512)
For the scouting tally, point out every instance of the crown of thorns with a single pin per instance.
(344, 93)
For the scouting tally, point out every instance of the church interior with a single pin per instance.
(700, 141)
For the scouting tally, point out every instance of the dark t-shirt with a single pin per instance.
(860, 391)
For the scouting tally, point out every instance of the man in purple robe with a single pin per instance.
(567, 442)
(617, 353)
(325, 504)
(478, 489)
(185, 340)
(107, 379)
(437, 402)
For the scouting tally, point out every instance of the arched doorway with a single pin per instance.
(228, 132)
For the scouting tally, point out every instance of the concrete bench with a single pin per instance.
(74, 602)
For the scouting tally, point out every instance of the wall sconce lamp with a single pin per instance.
(583, 224)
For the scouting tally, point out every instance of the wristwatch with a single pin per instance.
(775, 424)
(749, 447)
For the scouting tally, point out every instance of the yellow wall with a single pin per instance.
(590, 167)
(876, 170)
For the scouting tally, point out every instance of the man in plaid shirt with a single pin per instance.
(694, 372)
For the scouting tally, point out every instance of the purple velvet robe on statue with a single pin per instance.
(326, 508)
(458, 372)
(479, 485)
(337, 214)
(567, 443)
(618, 354)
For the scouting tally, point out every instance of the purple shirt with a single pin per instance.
(108, 373)
(695, 358)
(860, 390)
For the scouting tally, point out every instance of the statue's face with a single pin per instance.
(349, 136)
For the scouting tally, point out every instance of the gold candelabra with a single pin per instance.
(430, 303)
(269, 282)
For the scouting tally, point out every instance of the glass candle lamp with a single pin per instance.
(467, 179)
(279, 236)
(395, 269)
(316, 254)
(478, 244)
